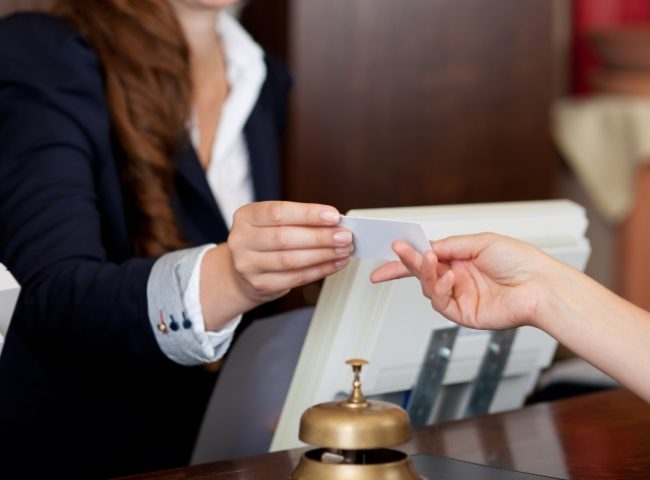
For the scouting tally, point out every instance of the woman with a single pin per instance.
(134, 136)
(488, 281)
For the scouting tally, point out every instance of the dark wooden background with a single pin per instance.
(414, 102)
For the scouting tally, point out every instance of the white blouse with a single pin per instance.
(173, 288)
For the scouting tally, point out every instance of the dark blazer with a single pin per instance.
(85, 392)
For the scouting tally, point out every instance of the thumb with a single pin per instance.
(460, 247)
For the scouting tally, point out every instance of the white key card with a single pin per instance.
(373, 237)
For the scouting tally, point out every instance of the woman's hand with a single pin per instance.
(481, 281)
(272, 248)
(276, 246)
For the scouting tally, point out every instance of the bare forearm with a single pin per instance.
(221, 297)
(599, 326)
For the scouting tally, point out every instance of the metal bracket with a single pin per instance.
(489, 375)
(432, 372)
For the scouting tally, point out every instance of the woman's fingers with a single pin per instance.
(274, 213)
(276, 246)
(271, 239)
(288, 260)
(270, 282)
(275, 226)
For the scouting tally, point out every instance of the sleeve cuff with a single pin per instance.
(175, 310)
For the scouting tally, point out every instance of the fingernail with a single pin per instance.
(343, 250)
(330, 216)
(343, 237)
(341, 263)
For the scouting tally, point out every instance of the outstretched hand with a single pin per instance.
(276, 246)
(272, 247)
(483, 281)
(489, 281)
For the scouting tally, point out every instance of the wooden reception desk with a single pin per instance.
(598, 436)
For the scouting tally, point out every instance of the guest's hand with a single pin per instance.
(481, 281)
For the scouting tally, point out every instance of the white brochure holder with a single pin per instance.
(393, 325)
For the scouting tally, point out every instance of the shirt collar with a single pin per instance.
(242, 52)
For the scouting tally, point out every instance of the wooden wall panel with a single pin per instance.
(415, 102)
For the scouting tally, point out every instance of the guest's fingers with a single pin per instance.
(389, 271)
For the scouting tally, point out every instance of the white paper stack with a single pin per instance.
(9, 290)
(390, 324)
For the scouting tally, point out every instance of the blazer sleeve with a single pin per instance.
(52, 109)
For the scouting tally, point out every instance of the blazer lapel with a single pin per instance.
(261, 138)
(198, 211)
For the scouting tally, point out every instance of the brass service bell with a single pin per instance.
(352, 436)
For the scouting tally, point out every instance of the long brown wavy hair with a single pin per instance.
(146, 63)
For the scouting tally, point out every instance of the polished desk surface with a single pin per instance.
(596, 436)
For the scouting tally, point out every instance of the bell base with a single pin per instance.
(379, 464)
